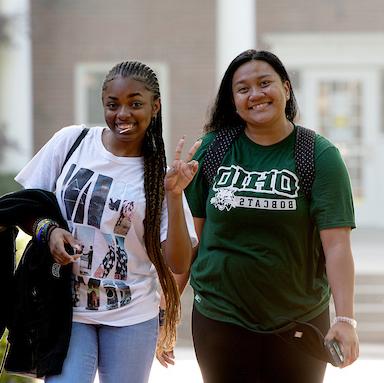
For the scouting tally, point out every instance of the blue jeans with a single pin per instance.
(120, 354)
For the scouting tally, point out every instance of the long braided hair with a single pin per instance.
(154, 173)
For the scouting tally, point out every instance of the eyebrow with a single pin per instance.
(128, 96)
(135, 94)
(261, 77)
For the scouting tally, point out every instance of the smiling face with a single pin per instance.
(260, 95)
(128, 109)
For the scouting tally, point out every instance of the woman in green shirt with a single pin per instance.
(268, 253)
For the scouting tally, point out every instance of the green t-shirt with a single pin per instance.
(260, 261)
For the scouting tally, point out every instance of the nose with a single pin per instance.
(124, 112)
(256, 92)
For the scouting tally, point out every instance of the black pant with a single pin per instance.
(227, 353)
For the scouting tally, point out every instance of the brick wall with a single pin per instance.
(178, 33)
(319, 16)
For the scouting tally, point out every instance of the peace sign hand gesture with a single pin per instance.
(181, 172)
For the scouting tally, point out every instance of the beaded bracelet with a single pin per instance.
(40, 226)
(348, 320)
(43, 228)
(49, 231)
(161, 317)
(35, 224)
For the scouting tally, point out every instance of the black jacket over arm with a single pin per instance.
(37, 296)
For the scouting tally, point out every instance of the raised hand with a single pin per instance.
(181, 172)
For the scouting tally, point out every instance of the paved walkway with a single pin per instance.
(367, 369)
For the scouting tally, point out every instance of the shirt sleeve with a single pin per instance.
(45, 167)
(332, 201)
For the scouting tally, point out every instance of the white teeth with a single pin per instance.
(259, 106)
(126, 127)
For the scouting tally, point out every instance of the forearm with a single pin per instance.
(178, 247)
(27, 226)
(181, 281)
(341, 273)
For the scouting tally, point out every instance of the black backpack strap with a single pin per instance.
(304, 155)
(216, 151)
(305, 158)
(74, 146)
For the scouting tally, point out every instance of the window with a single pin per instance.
(339, 106)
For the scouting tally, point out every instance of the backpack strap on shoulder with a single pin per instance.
(216, 151)
(304, 155)
(74, 146)
(305, 158)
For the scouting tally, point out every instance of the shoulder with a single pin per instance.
(325, 152)
(304, 136)
(324, 148)
(322, 143)
(328, 158)
(206, 141)
(67, 134)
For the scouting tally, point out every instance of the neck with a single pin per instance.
(269, 135)
(120, 149)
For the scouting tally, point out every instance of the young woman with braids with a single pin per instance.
(120, 201)
(269, 253)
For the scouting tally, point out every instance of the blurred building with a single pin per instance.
(55, 53)
(52, 68)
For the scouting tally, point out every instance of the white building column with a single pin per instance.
(235, 31)
(16, 86)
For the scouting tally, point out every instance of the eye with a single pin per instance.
(265, 83)
(137, 104)
(111, 105)
(242, 89)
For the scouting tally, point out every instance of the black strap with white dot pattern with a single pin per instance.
(216, 151)
(305, 158)
(304, 155)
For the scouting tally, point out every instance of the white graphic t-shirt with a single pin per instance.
(102, 198)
